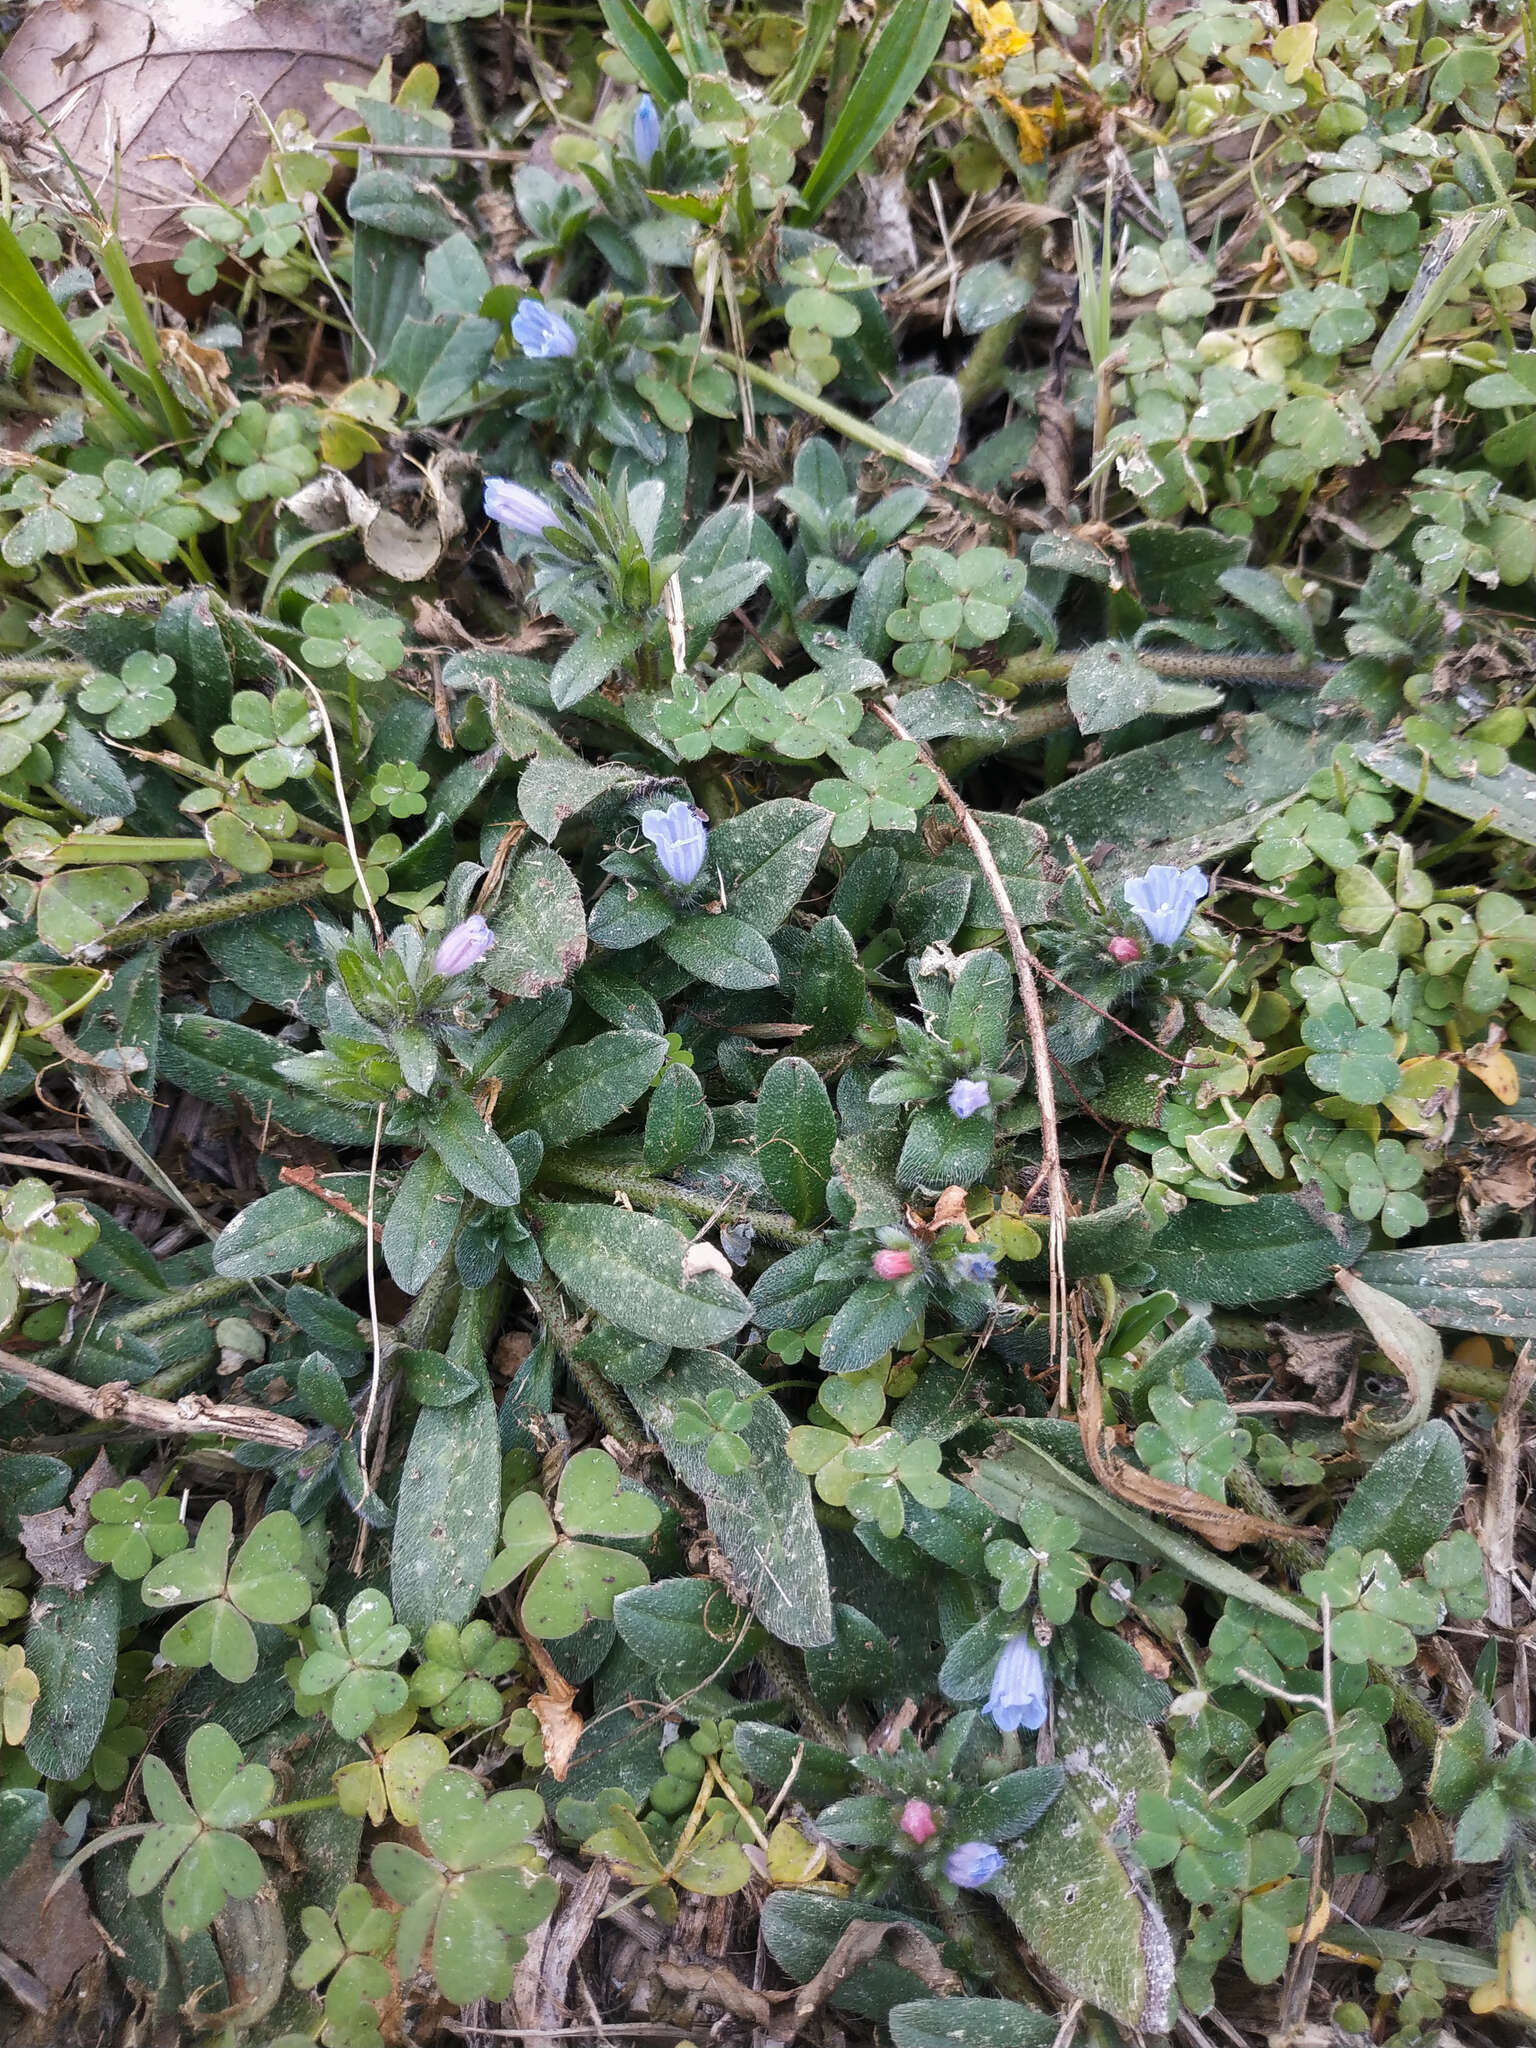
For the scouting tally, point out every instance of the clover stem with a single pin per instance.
(608, 1405)
(600, 1178)
(317, 1805)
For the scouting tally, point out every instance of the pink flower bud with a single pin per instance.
(1123, 951)
(917, 1821)
(891, 1265)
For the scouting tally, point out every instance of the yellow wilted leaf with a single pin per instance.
(791, 1858)
(1513, 1986)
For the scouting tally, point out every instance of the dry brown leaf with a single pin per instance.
(1222, 1527)
(54, 1540)
(135, 87)
(50, 1932)
(1050, 460)
(1501, 1181)
(860, 1940)
(559, 1723)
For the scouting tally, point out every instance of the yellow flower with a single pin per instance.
(1001, 36)
(1513, 1988)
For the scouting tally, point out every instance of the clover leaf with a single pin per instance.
(1050, 1565)
(716, 1422)
(51, 516)
(143, 514)
(1191, 1443)
(367, 644)
(40, 1239)
(1207, 1849)
(1357, 1062)
(347, 1947)
(263, 1584)
(397, 787)
(880, 792)
(1375, 1611)
(390, 1781)
(454, 1678)
(352, 1665)
(477, 1891)
(1453, 1568)
(131, 1528)
(577, 1582)
(274, 731)
(135, 699)
(195, 1845)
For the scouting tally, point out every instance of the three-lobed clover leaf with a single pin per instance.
(132, 1528)
(366, 643)
(1246, 1643)
(454, 1679)
(52, 514)
(880, 792)
(1375, 1611)
(480, 1888)
(577, 1582)
(1355, 1061)
(352, 1664)
(138, 697)
(274, 731)
(397, 788)
(262, 1584)
(391, 1779)
(1191, 1443)
(347, 1947)
(716, 1422)
(1050, 1567)
(1207, 1849)
(195, 1845)
(860, 1465)
(40, 1239)
(143, 512)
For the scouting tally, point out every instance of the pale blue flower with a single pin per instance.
(973, 1864)
(975, 1266)
(679, 839)
(538, 332)
(966, 1097)
(646, 131)
(464, 947)
(1164, 899)
(1018, 1696)
(524, 511)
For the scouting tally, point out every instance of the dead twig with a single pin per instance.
(191, 1415)
(1501, 1500)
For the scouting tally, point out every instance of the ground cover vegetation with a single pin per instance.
(768, 1038)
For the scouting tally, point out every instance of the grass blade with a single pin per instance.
(639, 43)
(893, 71)
(28, 312)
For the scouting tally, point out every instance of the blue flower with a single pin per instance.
(1164, 899)
(1018, 1696)
(646, 131)
(538, 332)
(975, 1266)
(464, 947)
(973, 1864)
(966, 1097)
(679, 839)
(524, 511)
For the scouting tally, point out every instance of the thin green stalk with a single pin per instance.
(26, 668)
(830, 415)
(107, 849)
(225, 909)
(576, 1172)
(1281, 671)
(787, 1671)
(606, 1403)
